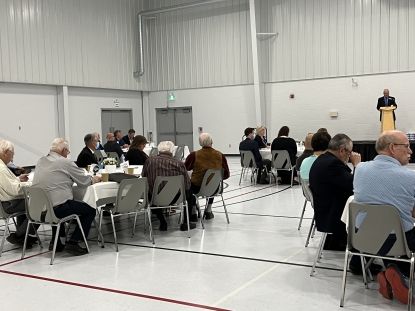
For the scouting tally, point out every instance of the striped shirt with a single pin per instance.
(164, 165)
(385, 181)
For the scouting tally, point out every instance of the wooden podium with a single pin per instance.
(387, 122)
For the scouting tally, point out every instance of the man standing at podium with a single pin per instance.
(386, 101)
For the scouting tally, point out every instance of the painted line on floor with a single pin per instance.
(282, 262)
(21, 259)
(115, 291)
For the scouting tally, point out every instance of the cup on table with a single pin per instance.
(131, 170)
(105, 176)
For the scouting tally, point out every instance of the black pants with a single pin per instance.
(264, 164)
(14, 206)
(86, 216)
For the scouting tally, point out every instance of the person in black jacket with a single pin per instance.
(87, 155)
(136, 155)
(249, 144)
(283, 142)
(128, 139)
(112, 145)
(386, 101)
(331, 183)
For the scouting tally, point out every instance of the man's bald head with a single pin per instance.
(394, 144)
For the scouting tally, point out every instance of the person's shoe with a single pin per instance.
(397, 282)
(385, 288)
(163, 226)
(14, 239)
(357, 270)
(75, 249)
(59, 246)
(209, 215)
(295, 183)
(183, 227)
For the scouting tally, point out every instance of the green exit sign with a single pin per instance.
(171, 97)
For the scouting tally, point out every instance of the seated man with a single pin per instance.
(249, 144)
(331, 183)
(56, 175)
(112, 145)
(202, 160)
(128, 139)
(165, 165)
(87, 155)
(386, 180)
(11, 195)
(308, 151)
(319, 143)
(118, 138)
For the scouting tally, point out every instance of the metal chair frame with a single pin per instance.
(37, 202)
(6, 218)
(248, 163)
(281, 162)
(212, 186)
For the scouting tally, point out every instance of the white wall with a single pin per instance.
(85, 112)
(224, 112)
(356, 105)
(28, 119)
(72, 42)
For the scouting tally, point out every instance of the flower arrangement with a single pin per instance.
(110, 161)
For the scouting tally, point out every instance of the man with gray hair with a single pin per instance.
(202, 160)
(87, 155)
(331, 183)
(11, 194)
(56, 174)
(386, 180)
(165, 165)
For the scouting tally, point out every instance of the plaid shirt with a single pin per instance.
(164, 165)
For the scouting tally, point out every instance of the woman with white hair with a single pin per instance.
(260, 137)
(11, 194)
(202, 160)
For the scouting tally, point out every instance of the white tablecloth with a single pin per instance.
(99, 191)
(266, 152)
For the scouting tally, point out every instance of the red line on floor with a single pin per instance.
(116, 291)
(21, 259)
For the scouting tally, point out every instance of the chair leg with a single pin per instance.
(363, 271)
(314, 230)
(135, 222)
(292, 177)
(242, 173)
(319, 251)
(55, 242)
(150, 226)
(346, 259)
(25, 237)
(200, 212)
(309, 232)
(99, 234)
(99, 228)
(411, 282)
(224, 207)
(115, 233)
(5, 232)
(82, 231)
(187, 219)
(302, 214)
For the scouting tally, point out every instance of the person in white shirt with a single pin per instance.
(11, 194)
(56, 174)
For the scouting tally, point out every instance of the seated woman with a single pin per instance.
(260, 137)
(136, 155)
(319, 143)
(283, 142)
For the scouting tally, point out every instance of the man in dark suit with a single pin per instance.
(128, 139)
(386, 101)
(249, 144)
(331, 183)
(112, 145)
(87, 156)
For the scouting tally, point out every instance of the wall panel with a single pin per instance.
(70, 42)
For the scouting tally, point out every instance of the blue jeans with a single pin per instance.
(86, 216)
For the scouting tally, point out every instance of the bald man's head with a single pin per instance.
(394, 144)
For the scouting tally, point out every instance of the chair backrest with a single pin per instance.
(131, 193)
(154, 151)
(212, 183)
(168, 190)
(100, 155)
(179, 154)
(247, 158)
(305, 186)
(37, 202)
(115, 156)
(281, 160)
(379, 221)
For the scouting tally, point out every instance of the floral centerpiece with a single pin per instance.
(110, 165)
